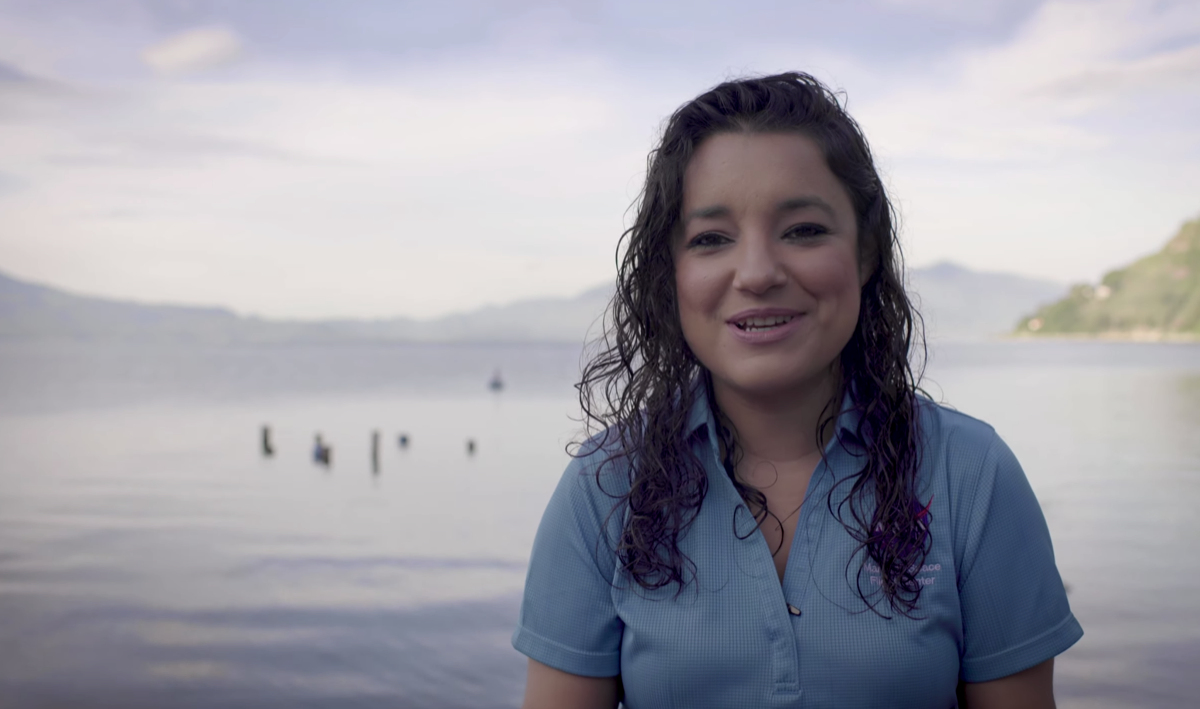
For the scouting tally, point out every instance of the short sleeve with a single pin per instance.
(1014, 606)
(567, 619)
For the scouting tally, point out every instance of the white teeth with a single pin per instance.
(764, 323)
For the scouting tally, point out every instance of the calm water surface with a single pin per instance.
(149, 556)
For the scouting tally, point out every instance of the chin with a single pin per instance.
(770, 382)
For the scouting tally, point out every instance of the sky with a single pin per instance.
(309, 159)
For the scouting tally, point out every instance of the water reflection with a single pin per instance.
(435, 656)
(151, 556)
(1113, 452)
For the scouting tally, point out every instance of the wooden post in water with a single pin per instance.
(375, 452)
(267, 449)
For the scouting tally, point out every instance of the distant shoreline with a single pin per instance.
(116, 344)
(1165, 338)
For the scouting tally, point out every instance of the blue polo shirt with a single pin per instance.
(992, 602)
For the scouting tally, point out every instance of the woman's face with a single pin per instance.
(766, 269)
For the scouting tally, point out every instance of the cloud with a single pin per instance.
(12, 74)
(10, 184)
(23, 52)
(1171, 70)
(975, 10)
(150, 150)
(193, 51)
(368, 199)
(1028, 99)
(1058, 152)
(420, 185)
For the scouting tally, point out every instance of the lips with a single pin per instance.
(762, 318)
(764, 325)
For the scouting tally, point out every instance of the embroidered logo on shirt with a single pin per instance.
(923, 518)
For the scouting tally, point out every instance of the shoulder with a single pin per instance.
(960, 446)
(567, 620)
(983, 483)
(599, 466)
(594, 481)
(965, 457)
(945, 427)
(1014, 609)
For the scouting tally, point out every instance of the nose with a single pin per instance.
(758, 266)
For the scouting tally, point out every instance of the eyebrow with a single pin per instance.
(794, 204)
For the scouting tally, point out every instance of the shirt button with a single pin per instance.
(793, 609)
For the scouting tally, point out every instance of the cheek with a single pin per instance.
(830, 273)
(695, 291)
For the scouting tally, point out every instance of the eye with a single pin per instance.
(707, 240)
(806, 231)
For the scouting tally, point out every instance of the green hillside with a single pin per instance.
(1156, 297)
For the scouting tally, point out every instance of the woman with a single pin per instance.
(773, 516)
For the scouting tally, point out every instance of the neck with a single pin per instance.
(780, 427)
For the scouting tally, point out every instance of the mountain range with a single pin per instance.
(957, 304)
(1154, 298)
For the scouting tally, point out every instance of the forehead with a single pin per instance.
(743, 171)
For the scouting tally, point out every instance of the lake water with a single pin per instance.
(150, 556)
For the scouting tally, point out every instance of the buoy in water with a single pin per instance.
(321, 451)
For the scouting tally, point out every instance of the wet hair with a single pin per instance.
(638, 386)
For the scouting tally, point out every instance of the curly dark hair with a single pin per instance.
(638, 385)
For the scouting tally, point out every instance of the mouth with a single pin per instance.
(763, 324)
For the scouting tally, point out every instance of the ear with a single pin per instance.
(864, 275)
(868, 262)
